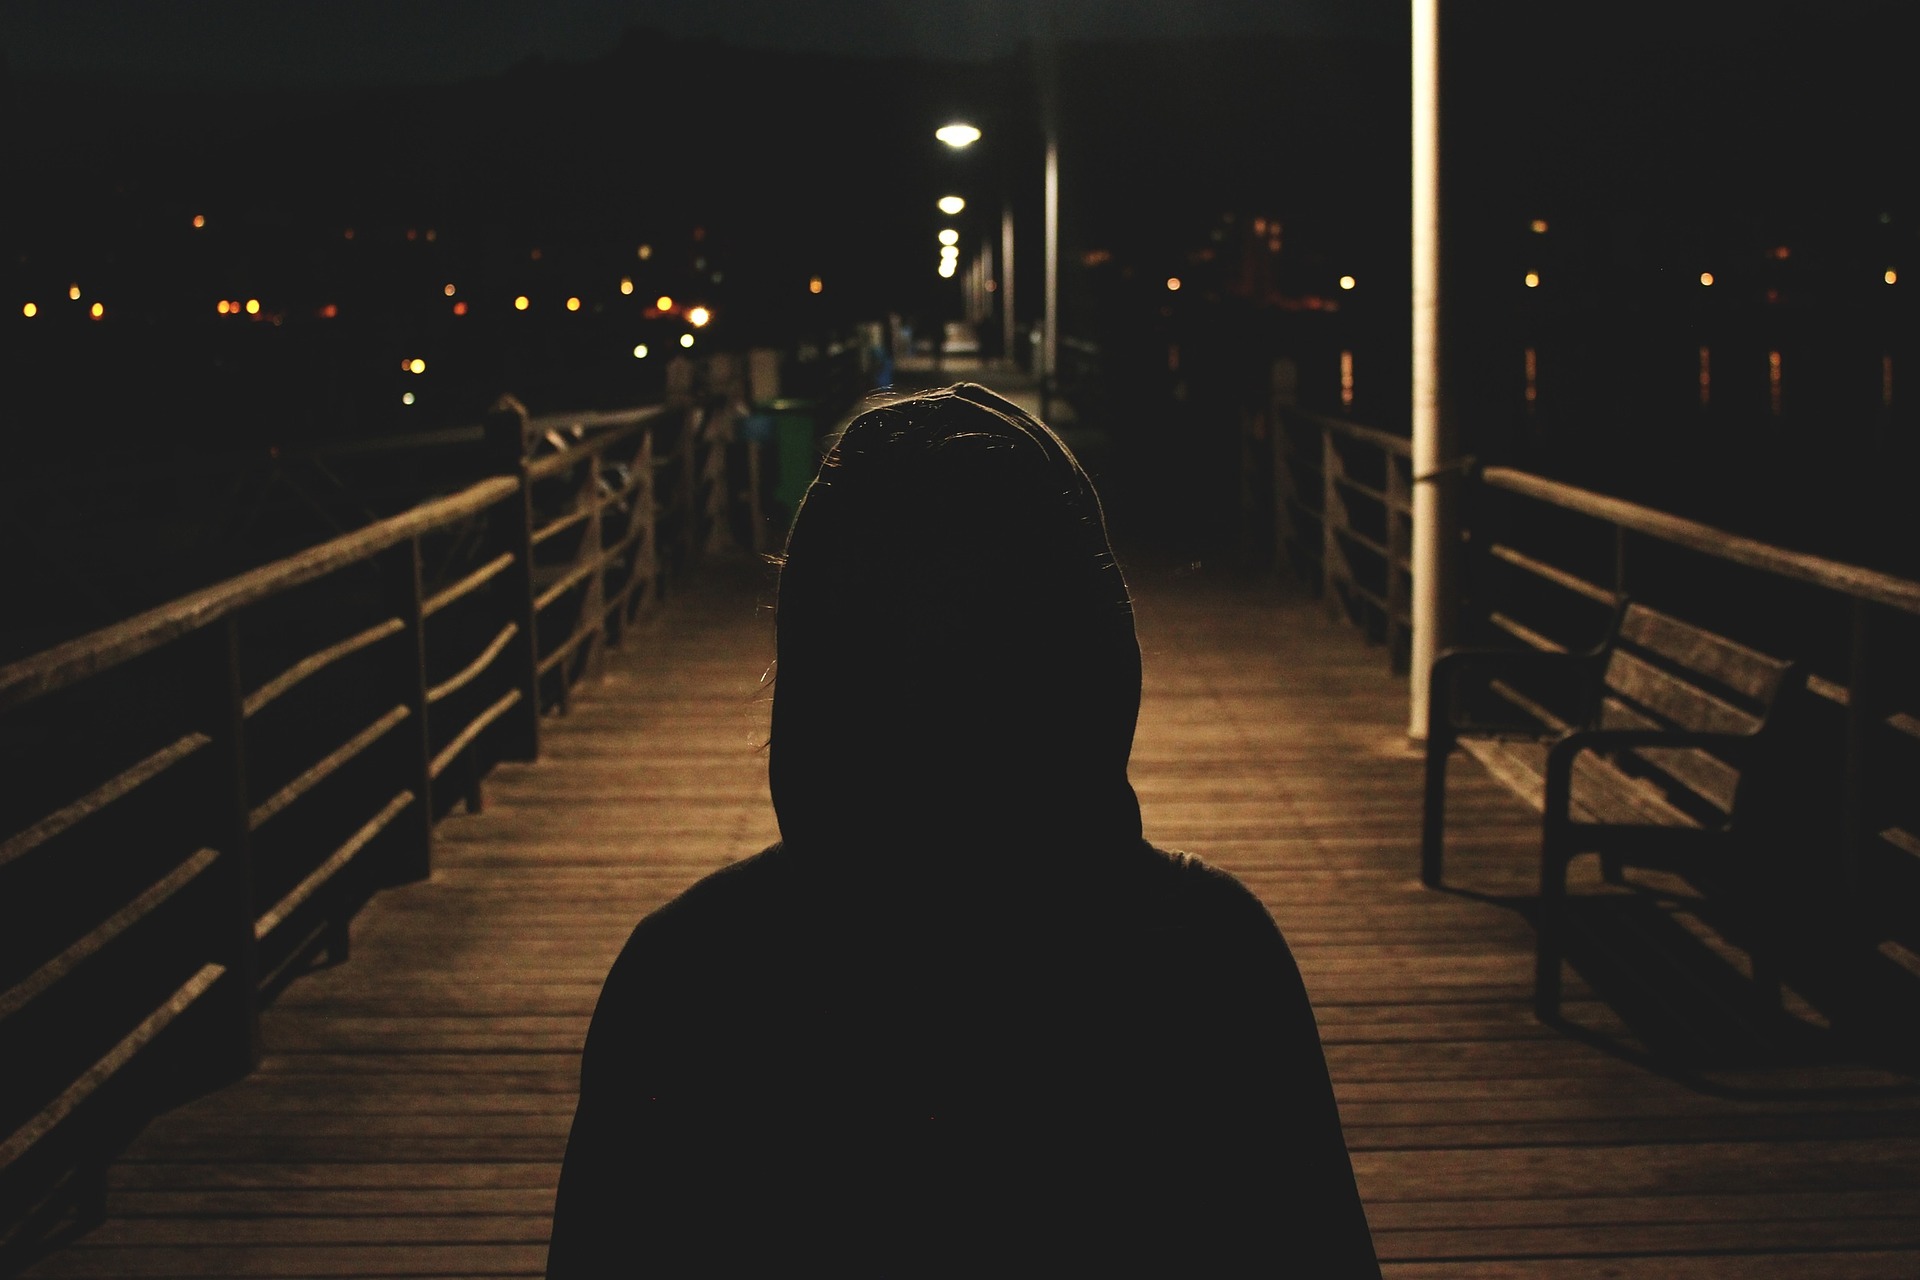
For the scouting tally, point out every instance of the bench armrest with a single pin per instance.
(1450, 666)
(1738, 747)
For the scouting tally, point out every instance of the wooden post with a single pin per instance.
(402, 574)
(510, 529)
(1334, 574)
(593, 603)
(1867, 711)
(1399, 549)
(232, 835)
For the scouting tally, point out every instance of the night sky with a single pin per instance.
(337, 42)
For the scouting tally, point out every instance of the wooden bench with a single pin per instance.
(1669, 760)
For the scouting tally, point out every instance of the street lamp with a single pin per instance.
(960, 135)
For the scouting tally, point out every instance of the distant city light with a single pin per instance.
(1533, 279)
(520, 303)
(535, 255)
(329, 311)
(663, 303)
(949, 236)
(221, 306)
(1173, 284)
(406, 397)
(96, 311)
(698, 316)
(1539, 226)
(814, 284)
(413, 233)
(73, 291)
(253, 306)
(957, 135)
(947, 268)
(460, 308)
(449, 291)
(1781, 252)
(199, 219)
(644, 252)
(432, 234)
(951, 205)
(416, 365)
(949, 252)
(573, 304)
(1891, 276)
(31, 310)
(686, 339)
(626, 285)
(640, 351)
(1706, 278)
(348, 233)
(1346, 282)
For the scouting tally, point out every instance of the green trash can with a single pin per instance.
(792, 431)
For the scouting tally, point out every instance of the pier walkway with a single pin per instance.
(411, 1109)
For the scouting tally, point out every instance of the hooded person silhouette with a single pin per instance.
(962, 1018)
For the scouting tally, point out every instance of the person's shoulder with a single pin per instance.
(1203, 883)
(717, 900)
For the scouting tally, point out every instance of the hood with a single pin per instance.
(955, 659)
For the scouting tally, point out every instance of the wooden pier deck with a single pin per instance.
(411, 1111)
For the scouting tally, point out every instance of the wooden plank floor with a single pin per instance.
(412, 1108)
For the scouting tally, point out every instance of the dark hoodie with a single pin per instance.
(962, 1019)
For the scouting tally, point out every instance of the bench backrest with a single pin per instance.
(1662, 673)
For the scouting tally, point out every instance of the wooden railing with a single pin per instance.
(1547, 564)
(1343, 508)
(199, 798)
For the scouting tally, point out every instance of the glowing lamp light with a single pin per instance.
(814, 285)
(946, 268)
(1346, 282)
(686, 339)
(253, 306)
(573, 304)
(644, 252)
(1706, 279)
(221, 306)
(406, 397)
(1539, 226)
(1173, 284)
(663, 303)
(329, 311)
(520, 303)
(640, 351)
(626, 285)
(96, 311)
(1890, 276)
(199, 220)
(950, 205)
(31, 310)
(949, 252)
(949, 236)
(449, 291)
(416, 365)
(73, 291)
(957, 135)
(698, 316)
(1533, 279)
(460, 308)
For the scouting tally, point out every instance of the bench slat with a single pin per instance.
(1601, 792)
(1701, 772)
(1747, 672)
(1673, 701)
